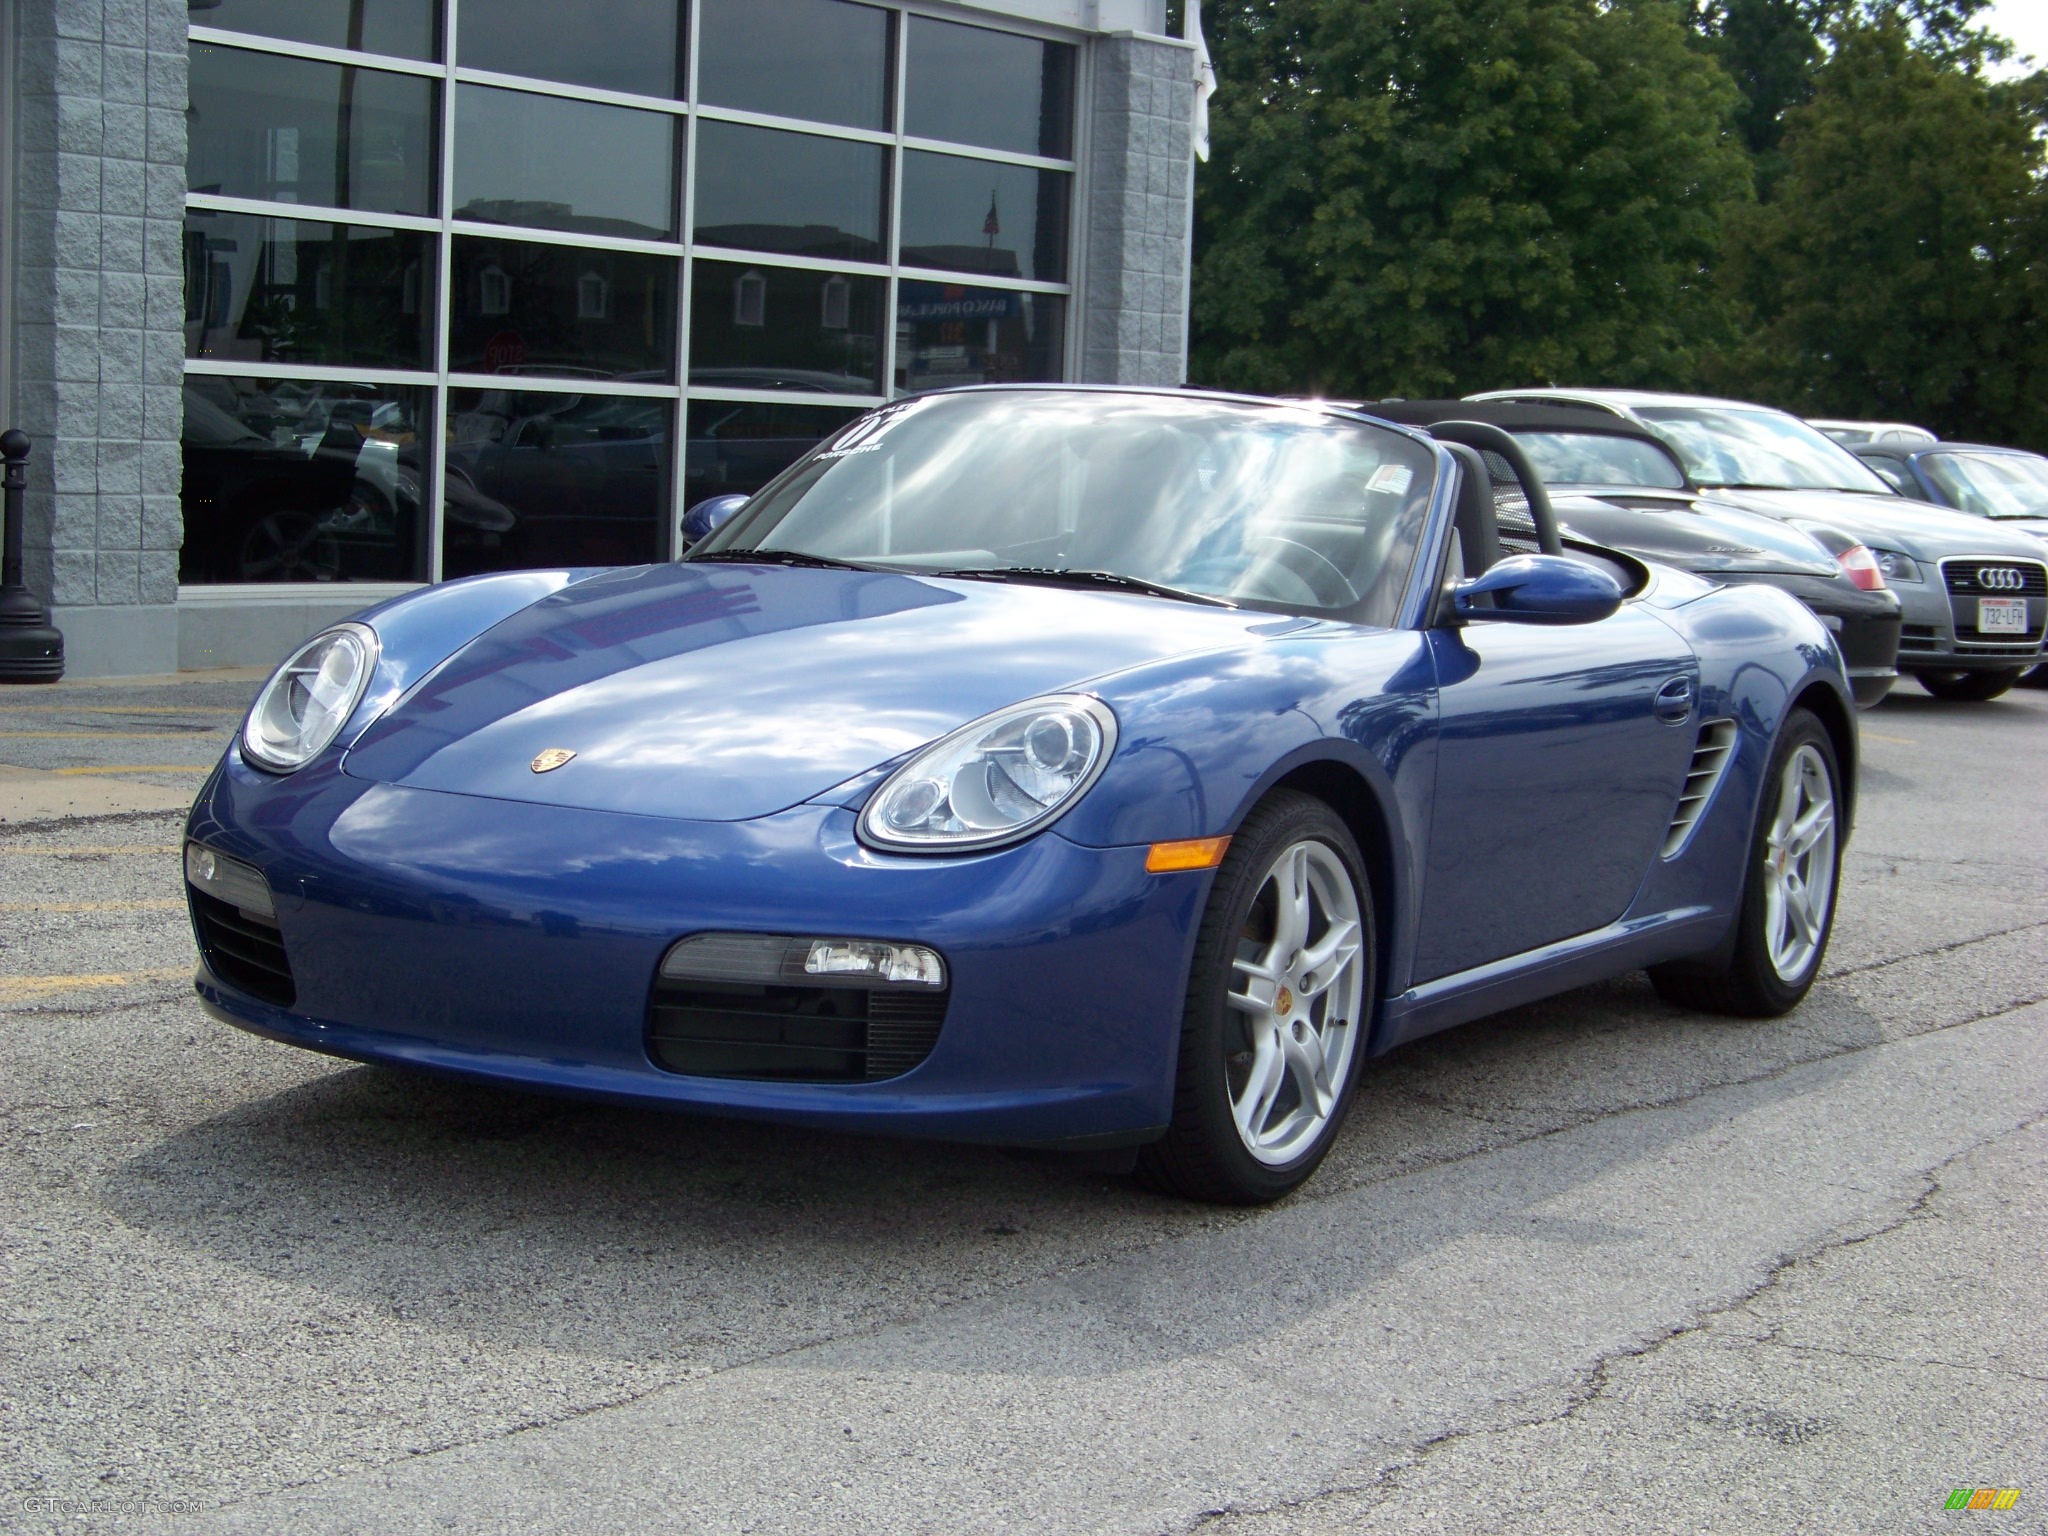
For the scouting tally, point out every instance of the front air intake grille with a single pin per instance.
(243, 949)
(1710, 760)
(1996, 578)
(1977, 577)
(1916, 637)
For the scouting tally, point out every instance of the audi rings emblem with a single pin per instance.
(2001, 578)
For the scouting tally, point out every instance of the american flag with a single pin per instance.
(991, 226)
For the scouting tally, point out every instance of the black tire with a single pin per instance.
(1749, 984)
(1973, 687)
(1203, 1156)
(2035, 677)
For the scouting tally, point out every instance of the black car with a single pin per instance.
(1617, 484)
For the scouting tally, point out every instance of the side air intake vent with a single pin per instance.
(1710, 760)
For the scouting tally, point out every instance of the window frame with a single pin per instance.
(688, 108)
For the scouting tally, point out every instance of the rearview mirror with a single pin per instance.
(1539, 589)
(708, 516)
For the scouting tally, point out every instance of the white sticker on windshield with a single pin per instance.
(1391, 478)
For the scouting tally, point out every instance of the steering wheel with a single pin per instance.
(1310, 567)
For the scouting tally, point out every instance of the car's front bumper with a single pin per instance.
(519, 943)
(1939, 634)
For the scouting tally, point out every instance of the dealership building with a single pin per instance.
(312, 301)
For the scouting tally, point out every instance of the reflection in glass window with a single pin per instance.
(543, 479)
(981, 216)
(767, 190)
(526, 308)
(295, 131)
(294, 291)
(288, 480)
(948, 334)
(616, 45)
(408, 29)
(553, 163)
(760, 328)
(995, 89)
(825, 60)
(737, 449)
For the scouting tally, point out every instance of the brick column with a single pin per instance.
(1134, 315)
(99, 305)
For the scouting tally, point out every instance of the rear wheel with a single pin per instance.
(1974, 687)
(1279, 998)
(1788, 898)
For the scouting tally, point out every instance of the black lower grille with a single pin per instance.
(833, 1034)
(245, 951)
(1916, 637)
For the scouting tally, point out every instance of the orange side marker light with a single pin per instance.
(1192, 853)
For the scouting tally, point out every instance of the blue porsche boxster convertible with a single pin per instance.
(1039, 765)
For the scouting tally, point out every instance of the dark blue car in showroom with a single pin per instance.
(1049, 766)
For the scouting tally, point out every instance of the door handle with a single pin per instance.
(1674, 701)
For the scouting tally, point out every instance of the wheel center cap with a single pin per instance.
(1284, 1003)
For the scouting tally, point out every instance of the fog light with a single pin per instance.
(230, 880)
(911, 963)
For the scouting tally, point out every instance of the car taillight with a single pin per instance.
(1860, 566)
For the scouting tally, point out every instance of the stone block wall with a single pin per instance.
(99, 123)
(1134, 323)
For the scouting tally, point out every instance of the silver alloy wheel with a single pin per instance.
(1799, 864)
(1298, 992)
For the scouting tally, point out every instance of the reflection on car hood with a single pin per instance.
(1675, 528)
(1889, 522)
(727, 692)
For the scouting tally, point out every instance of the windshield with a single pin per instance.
(1760, 450)
(1270, 506)
(1991, 484)
(1599, 458)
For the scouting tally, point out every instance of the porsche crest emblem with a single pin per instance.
(551, 759)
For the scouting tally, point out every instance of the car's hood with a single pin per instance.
(1889, 522)
(726, 692)
(1677, 529)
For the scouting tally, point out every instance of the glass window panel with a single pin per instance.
(520, 307)
(995, 89)
(538, 479)
(615, 45)
(981, 216)
(406, 28)
(768, 190)
(554, 163)
(737, 449)
(825, 60)
(295, 131)
(776, 328)
(294, 291)
(287, 480)
(949, 334)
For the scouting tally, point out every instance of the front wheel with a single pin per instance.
(1788, 896)
(1279, 999)
(1975, 687)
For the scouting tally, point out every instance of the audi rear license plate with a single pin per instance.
(2001, 615)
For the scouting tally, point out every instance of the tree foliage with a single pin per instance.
(1429, 196)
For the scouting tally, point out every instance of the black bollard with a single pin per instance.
(31, 649)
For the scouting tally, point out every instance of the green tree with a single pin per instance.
(1428, 196)
(1902, 268)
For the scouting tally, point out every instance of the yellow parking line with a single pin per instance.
(140, 904)
(72, 773)
(25, 989)
(90, 848)
(8, 708)
(1897, 741)
(169, 734)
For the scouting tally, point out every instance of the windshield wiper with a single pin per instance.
(780, 557)
(1066, 576)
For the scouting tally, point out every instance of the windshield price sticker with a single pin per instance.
(1391, 478)
(2001, 615)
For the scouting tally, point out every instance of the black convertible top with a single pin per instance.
(1507, 415)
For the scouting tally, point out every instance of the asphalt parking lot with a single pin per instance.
(1595, 1264)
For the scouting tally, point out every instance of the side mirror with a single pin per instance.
(1539, 589)
(708, 516)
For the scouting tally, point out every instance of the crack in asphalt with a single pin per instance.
(1877, 1359)
(1593, 1382)
(1938, 949)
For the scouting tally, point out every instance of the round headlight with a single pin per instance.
(995, 781)
(309, 698)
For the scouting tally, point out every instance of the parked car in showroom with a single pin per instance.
(1043, 765)
(1973, 596)
(1618, 484)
